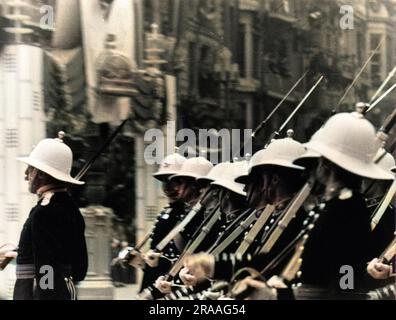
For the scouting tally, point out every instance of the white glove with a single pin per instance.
(152, 258)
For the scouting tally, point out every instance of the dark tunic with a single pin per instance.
(168, 218)
(341, 237)
(52, 236)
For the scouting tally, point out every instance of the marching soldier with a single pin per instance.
(340, 239)
(341, 234)
(383, 233)
(383, 273)
(52, 252)
(272, 179)
(232, 204)
(188, 194)
(168, 217)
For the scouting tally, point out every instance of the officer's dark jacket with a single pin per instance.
(53, 235)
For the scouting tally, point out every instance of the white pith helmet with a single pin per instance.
(54, 158)
(230, 173)
(244, 170)
(215, 173)
(195, 168)
(387, 161)
(169, 166)
(280, 152)
(349, 141)
(308, 155)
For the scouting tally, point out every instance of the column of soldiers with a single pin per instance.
(296, 221)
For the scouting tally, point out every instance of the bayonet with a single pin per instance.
(284, 124)
(382, 86)
(264, 122)
(358, 76)
(381, 98)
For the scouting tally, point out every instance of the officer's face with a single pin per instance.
(31, 177)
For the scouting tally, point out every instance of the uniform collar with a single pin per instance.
(50, 188)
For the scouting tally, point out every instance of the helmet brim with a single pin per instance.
(242, 179)
(277, 163)
(308, 157)
(232, 186)
(187, 175)
(360, 168)
(58, 175)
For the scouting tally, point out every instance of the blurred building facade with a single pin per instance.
(235, 60)
(223, 63)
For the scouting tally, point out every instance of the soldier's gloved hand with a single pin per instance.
(145, 295)
(187, 278)
(259, 290)
(378, 270)
(8, 251)
(276, 282)
(201, 266)
(134, 258)
(163, 286)
(9, 254)
(152, 258)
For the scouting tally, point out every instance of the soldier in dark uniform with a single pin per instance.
(272, 179)
(179, 185)
(342, 234)
(232, 203)
(52, 252)
(167, 218)
(382, 235)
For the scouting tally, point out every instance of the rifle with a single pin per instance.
(136, 251)
(182, 225)
(108, 141)
(389, 253)
(193, 246)
(288, 215)
(382, 136)
(243, 226)
(254, 231)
